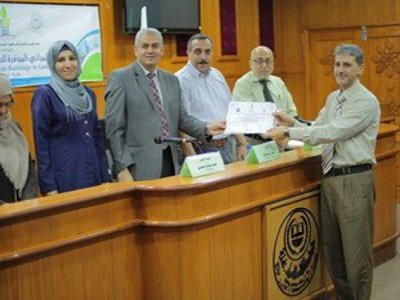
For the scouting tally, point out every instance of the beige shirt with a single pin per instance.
(354, 132)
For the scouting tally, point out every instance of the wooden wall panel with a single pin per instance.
(288, 28)
(384, 73)
(72, 252)
(381, 73)
(289, 57)
(342, 13)
(294, 19)
(305, 62)
(294, 82)
(319, 80)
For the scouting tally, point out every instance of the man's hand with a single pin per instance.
(215, 128)
(241, 152)
(55, 192)
(124, 175)
(241, 147)
(187, 148)
(283, 119)
(278, 135)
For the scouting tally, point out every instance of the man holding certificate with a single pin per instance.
(347, 127)
(260, 86)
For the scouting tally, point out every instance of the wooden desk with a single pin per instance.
(215, 237)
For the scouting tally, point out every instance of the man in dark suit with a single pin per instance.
(143, 102)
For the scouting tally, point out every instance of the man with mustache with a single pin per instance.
(260, 85)
(206, 95)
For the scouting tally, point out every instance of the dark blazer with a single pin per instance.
(133, 120)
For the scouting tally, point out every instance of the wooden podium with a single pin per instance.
(251, 232)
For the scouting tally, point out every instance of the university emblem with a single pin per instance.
(296, 251)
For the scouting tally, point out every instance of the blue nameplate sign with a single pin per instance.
(202, 164)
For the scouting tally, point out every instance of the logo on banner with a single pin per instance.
(4, 22)
(36, 21)
(296, 252)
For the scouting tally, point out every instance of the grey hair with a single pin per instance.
(147, 31)
(351, 49)
(198, 36)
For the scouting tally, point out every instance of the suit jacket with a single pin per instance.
(133, 120)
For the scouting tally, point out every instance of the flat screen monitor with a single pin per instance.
(168, 16)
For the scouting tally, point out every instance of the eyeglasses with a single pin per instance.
(7, 104)
(260, 61)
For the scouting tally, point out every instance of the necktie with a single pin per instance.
(327, 154)
(266, 92)
(157, 99)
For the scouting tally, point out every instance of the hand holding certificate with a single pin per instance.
(249, 117)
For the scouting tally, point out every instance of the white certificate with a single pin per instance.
(249, 117)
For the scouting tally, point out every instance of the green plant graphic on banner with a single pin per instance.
(4, 22)
(89, 55)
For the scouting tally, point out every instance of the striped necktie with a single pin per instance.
(327, 154)
(266, 91)
(157, 99)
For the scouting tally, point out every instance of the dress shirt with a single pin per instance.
(249, 88)
(354, 132)
(206, 96)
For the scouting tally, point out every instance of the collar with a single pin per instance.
(254, 78)
(349, 91)
(196, 73)
(147, 72)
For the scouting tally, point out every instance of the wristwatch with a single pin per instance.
(286, 132)
(208, 136)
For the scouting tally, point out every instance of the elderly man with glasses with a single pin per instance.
(259, 85)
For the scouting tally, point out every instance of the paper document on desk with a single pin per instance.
(249, 117)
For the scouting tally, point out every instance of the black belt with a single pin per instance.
(349, 170)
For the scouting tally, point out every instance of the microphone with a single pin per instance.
(172, 139)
